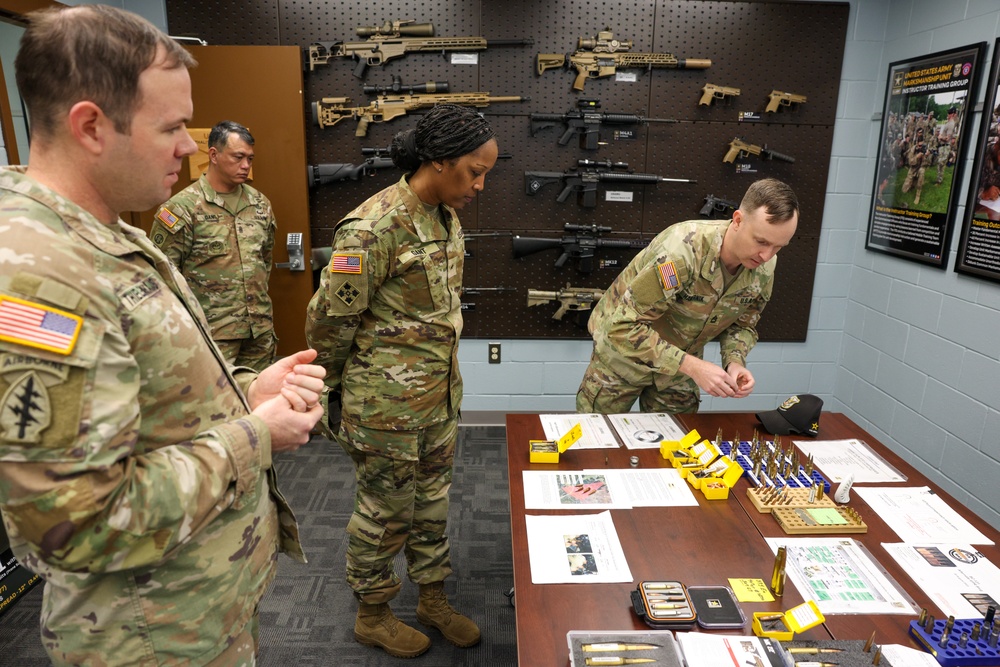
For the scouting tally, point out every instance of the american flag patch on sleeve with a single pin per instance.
(346, 262)
(668, 275)
(167, 218)
(35, 325)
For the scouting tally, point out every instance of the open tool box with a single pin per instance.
(950, 652)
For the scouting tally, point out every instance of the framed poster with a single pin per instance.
(979, 247)
(925, 124)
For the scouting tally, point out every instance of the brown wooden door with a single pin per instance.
(261, 87)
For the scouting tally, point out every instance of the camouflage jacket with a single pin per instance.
(669, 301)
(225, 258)
(132, 477)
(387, 315)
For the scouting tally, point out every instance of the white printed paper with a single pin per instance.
(838, 459)
(575, 549)
(646, 430)
(917, 514)
(956, 577)
(596, 432)
(605, 489)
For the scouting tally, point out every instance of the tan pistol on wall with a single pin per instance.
(741, 149)
(711, 91)
(779, 98)
(604, 55)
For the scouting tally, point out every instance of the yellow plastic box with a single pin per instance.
(547, 451)
(797, 619)
(671, 450)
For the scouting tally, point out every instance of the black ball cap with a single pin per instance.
(798, 415)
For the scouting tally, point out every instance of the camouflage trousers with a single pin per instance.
(257, 353)
(914, 174)
(403, 479)
(604, 391)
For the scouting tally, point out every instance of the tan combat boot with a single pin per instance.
(433, 610)
(376, 625)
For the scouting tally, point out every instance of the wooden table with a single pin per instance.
(704, 545)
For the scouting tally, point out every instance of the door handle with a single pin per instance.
(296, 256)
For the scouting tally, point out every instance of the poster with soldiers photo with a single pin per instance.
(979, 245)
(926, 116)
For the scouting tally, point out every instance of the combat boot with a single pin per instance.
(434, 611)
(376, 625)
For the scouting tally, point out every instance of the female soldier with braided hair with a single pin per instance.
(386, 321)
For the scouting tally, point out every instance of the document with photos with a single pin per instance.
(840, 576)
(702, 649)
(575, 549)
(646, 430)
(956, 577)
(605, 489)
(596, 432)
(839, 459)
(917, 514)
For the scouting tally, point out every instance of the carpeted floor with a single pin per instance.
(307, 617)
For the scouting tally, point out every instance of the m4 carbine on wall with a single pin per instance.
(604, 55)
(583, 179)
(586, 122)
(394, 39)
(579, 242)
(331, 110)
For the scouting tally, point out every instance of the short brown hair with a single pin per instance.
(93, 52)
(777, 198)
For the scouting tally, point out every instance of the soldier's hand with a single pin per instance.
(991, 193)
(710, 378)
(289, 428)
(293, 377)
(744, 380)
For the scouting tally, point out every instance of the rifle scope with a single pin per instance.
(392, 30)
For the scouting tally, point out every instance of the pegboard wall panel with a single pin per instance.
(226, 22)
(754, 46)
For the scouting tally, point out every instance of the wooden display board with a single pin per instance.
(754, 46)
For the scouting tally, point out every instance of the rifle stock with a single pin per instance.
(331, 110)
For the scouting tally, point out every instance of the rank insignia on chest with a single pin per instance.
(36, 325)
(668, 275)
(167, 218)
(346, 262)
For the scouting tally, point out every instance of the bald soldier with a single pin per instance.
(697, 281)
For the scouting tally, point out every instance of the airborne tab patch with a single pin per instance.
(167, 218)
(36, 325)
(668, 275)
(346, 262)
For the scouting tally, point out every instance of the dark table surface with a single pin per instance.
(703, 545)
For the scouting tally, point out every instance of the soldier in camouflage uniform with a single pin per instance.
(135, 465)
(219, 232)
(697, 281)
(386, 320)
(918, 158)
(946, 138)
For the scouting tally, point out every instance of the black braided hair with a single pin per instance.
(447, 131)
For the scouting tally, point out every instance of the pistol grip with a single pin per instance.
(581, 78)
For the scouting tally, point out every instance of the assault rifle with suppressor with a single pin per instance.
(579, 242)
(604, 55)
(575, 299)
(586, 122)
(331, 110)
(583, 179)
(741, 149)
(394, 39)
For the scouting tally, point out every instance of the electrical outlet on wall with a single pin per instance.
(493, 353)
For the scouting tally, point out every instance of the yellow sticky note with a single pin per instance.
(828, 516)
(751, 590)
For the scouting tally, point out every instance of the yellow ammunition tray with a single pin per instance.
(818, 520)
(795, 498)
